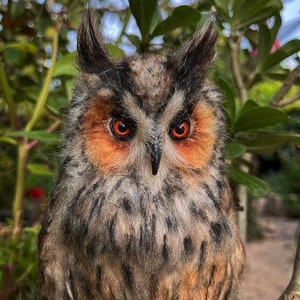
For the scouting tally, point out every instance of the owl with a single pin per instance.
(142, 208)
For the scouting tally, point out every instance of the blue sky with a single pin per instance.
(112, 24)
(290, 21)
(290, 18)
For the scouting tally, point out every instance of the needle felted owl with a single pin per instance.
(142, 208)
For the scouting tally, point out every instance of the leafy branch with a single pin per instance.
(234, 42)
(286, 86)
(23, 148)
(290, 100)
(42, 99)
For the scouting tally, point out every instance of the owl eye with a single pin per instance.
(179, 131)
(122, 128)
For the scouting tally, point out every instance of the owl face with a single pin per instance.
(148, 115)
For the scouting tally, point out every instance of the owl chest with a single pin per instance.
(153, 245)
(156, 230)
(157, 256)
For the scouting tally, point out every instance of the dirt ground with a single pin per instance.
(269, 261)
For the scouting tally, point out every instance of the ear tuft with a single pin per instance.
(196, 56)
(91, 53)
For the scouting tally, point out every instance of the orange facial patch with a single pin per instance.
(197, 148)
(103, 150)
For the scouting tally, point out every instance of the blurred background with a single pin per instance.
(257, 69)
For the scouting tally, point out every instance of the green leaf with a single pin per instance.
(181, 16)
(8, 140)
(34, 230)
(276, 26)
(55, 103)
(15, 57)
(281, 75)
(28, 47)
(222, 7)
(246, 12)
(229, 102)
(40, 169)
(18, 9)
(114, 51)
(134, 40)
(247, 106)
(66, 66)
(264, 44)
(204, 7)
(267, 37)
(287, 50)
(266, 142)
(43, 136)
(256, 186)
(234, 150)
(259, 117)
(143, 12)
(69, 84)
(156, 19)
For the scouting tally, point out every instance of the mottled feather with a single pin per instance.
(142, 208)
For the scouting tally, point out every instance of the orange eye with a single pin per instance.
(122, 128)
(180, 131)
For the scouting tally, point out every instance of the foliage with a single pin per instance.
(25, 267)
(32, 39)
(37, 71)
(285, 181)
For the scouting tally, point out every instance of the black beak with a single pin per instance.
(155, 150)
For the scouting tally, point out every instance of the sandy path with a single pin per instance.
(269, 261)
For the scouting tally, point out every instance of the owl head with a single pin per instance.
(146, 114)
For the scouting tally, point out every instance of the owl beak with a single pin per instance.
(155, 154)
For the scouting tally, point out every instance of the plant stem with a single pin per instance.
(23, 148)
(8, 98)
(234, 46)
(286, 86)
(17, 215)
(125, 24)
(19, 189)
(234, 42)
(42, 99)
(292, 99)
(33, 143)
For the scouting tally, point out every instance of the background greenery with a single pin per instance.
(37, 69)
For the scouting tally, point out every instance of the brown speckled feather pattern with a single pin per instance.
(142, 208)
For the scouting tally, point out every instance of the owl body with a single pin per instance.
(142, 208)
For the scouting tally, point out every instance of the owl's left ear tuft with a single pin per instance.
(91, 53)
(196, 56)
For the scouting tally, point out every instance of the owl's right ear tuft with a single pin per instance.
(92, 57)
(196, 56)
